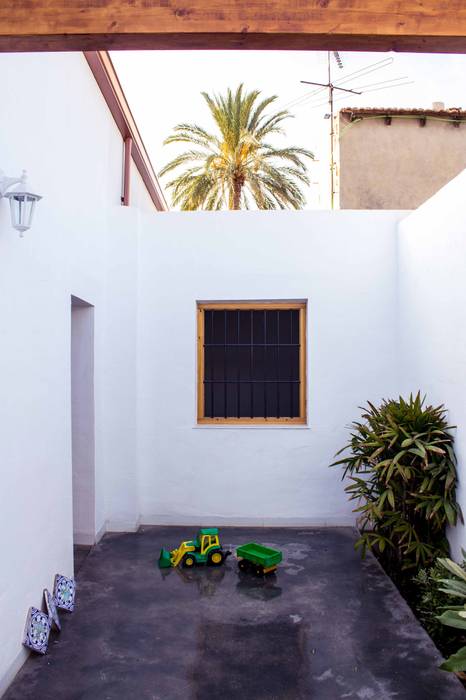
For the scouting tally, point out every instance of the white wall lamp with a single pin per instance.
(22, 200)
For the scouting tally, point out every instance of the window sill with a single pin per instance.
(252, 426)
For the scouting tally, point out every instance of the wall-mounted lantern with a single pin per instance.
(22, 200)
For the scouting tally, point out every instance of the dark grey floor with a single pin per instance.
(80, 554)
(328, 626)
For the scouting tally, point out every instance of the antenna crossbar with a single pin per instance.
(331, 86)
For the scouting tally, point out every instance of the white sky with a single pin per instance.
(163, 88)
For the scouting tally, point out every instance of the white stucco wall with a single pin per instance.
(55, 123)
(432, 297)
(344, 264)
(83, 422)
(143, 274)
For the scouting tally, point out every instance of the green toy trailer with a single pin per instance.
(204, 549)
(257, 558)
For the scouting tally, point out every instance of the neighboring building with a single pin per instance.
(398, 158)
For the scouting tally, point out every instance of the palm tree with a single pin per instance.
(237, 168)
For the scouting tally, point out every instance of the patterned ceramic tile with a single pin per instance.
(52, 609)
(64, 592)
(36, 634)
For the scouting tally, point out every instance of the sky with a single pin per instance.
(163, 89)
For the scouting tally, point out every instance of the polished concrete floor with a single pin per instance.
(327, 626)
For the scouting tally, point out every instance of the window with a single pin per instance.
(252, 362)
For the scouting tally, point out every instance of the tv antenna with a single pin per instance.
(331, 86)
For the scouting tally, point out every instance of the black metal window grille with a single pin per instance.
(252, 363)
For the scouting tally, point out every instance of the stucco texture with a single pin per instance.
(396, 166)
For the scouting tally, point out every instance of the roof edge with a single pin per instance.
(454, 112)
(106, 78)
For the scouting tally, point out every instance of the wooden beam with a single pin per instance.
(359, 25)
(104, 72)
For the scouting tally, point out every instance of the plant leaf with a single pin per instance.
(453, 568)
(455, 662)
(452, 618)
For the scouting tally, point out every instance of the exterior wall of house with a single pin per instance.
(55, 123)
(398, 166)
(344, 264)
(432, 293)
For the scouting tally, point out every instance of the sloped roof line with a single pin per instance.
(106, 77)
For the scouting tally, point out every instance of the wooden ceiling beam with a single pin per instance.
(353, 25)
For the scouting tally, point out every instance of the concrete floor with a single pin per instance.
(327, 626)
(80, 554)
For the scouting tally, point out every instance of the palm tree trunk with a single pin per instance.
(237, 187)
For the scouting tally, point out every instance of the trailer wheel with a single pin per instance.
(247, 566)
(216, 558)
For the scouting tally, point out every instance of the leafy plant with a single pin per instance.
(454, 615)
(402, 472)
(237, 167)
(427, 600)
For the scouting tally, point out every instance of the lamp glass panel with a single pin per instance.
(22, 208)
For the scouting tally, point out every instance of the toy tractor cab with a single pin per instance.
(204, 549)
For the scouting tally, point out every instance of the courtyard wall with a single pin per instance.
(344, 265)
(432, 303)
(55, 123)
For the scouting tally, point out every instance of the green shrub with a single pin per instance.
(402, 473)
(428, 601)
(454, 616)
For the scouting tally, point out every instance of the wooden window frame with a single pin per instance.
(301, 306)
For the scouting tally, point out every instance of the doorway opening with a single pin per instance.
(82, 427)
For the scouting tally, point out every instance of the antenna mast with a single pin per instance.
(358, 74)
(331, 88)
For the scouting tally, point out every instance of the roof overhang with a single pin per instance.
(454, 113)
(104, 72)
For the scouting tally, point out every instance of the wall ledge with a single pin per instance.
(238, 521)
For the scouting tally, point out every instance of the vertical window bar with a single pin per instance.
(278, 364)
(238, 364)
(225, 363)
(291, 366)
(211, 365)
(251, 365)
(265, 351)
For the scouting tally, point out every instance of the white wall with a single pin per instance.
(432, 298)
(344, 264)
(82, 422)
(55, 123)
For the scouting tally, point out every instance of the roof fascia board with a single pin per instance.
(106, 77)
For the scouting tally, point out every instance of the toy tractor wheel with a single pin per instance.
(189, 561)
(244, 565)
(216, 558)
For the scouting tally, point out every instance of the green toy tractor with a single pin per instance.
(204, 549)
